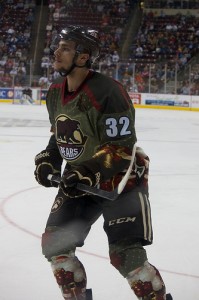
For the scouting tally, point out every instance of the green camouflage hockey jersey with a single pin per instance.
(93, 126)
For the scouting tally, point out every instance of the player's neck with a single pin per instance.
(76, 78)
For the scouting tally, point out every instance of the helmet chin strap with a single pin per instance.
(64, 73)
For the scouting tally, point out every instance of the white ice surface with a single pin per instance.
(170, 138)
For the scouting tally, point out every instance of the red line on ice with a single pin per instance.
(10, 221)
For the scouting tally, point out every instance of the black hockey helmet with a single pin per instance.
(87, 40)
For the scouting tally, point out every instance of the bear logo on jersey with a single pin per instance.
(70, 138)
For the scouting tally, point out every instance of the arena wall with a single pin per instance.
(140, 100)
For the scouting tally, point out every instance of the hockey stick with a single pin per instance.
(102, 193)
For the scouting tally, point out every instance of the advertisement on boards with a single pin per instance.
(167, 100)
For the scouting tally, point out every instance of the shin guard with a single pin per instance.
(70, 276)
(147, 283)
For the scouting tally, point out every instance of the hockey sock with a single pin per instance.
(147, 283)
(70, 276)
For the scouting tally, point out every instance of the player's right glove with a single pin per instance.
(47, 162)
(79, 174)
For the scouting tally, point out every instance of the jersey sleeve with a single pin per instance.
(115, 126)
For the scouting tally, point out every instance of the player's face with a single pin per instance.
(64, 55)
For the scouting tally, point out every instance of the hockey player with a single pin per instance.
(26, 97)
(92, 124)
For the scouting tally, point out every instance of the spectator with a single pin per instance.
(115, 57)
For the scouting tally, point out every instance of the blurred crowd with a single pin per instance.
(168, 43)
(173, 4)
(15, 30)
(172, 38)
(163, 46)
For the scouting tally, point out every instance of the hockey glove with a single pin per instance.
(47, 162)
(71, 178)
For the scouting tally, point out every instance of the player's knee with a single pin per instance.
(56, 241)
(127, 256)
(146, 282)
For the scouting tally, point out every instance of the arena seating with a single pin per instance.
(163, 45)
(15, 30)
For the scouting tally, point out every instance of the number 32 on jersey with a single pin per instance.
(117, 127)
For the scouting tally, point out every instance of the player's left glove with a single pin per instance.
(71, 178)
(47, 162)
